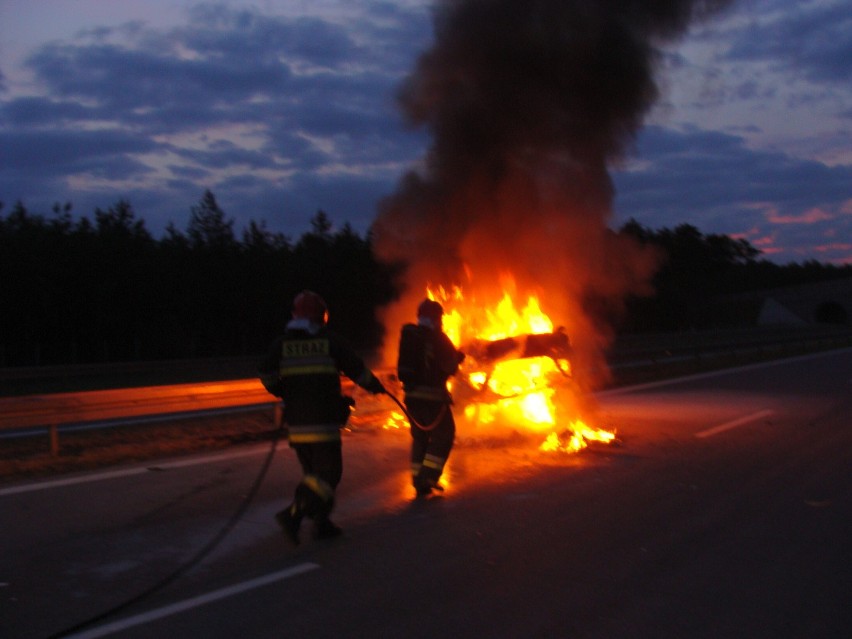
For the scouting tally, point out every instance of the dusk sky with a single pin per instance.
(284, 107)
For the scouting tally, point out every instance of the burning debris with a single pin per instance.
(528, 102)
(576, 438)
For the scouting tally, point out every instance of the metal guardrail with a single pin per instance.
(56, 410)
(65, 409)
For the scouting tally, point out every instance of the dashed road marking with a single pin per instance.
(194, 602)
(734, 423)
(127, 472)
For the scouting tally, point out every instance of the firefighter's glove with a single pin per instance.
(375, 386)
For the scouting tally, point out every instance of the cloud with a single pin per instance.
(54, 153)
(813, 38)
(716, 182)
(811, 216)
(282, 114)
(142, 111)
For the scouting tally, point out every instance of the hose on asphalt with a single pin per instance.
(193, 561)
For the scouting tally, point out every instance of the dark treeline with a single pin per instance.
(702, 277)
(104, 290)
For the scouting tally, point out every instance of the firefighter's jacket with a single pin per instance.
(303, 368)
(427, 359)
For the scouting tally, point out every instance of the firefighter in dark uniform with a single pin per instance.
(303, 368)
(427, 359)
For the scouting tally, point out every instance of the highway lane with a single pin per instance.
(725, 513)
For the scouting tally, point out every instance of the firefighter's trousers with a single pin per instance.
(430, 448)
(322, 469)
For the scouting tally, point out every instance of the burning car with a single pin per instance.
(555, 345)
(517, 371)
(516, 377)
(485, 356)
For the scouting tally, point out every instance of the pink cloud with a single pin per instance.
(811, 216)
(745, 235)
(835, 246)
(763, 243)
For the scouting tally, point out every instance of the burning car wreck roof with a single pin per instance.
(555, 345)
(486, 356)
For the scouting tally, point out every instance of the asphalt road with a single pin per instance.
(725, 512)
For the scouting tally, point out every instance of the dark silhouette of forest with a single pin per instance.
(698, 272)
(80, 290)
(105, 290)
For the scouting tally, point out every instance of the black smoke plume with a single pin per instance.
(528, 102)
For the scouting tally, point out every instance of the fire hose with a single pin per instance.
(413, 421)
(193, 561)
(223, 532)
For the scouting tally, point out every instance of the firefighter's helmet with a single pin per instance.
(431, 310)
(310, 306)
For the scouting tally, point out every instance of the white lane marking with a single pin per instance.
(194, 602)
(71, 480)
(194, 461)
(734, 423)
(127, 472)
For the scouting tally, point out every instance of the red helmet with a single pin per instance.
(430, 309)
(310, 306)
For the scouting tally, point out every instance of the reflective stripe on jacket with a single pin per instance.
(307, 357)
(303, 368)
(427, 358)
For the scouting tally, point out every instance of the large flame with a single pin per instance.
(530, 394)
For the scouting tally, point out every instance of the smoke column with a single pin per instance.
(528, 102)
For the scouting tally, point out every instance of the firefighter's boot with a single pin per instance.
(324, 528)
(425, 485)
(422, 487)
(290, 520)
(425, 482)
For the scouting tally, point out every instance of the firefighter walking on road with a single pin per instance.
(303, 368)
(427, 359)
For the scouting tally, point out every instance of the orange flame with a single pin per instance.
(529, 393)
